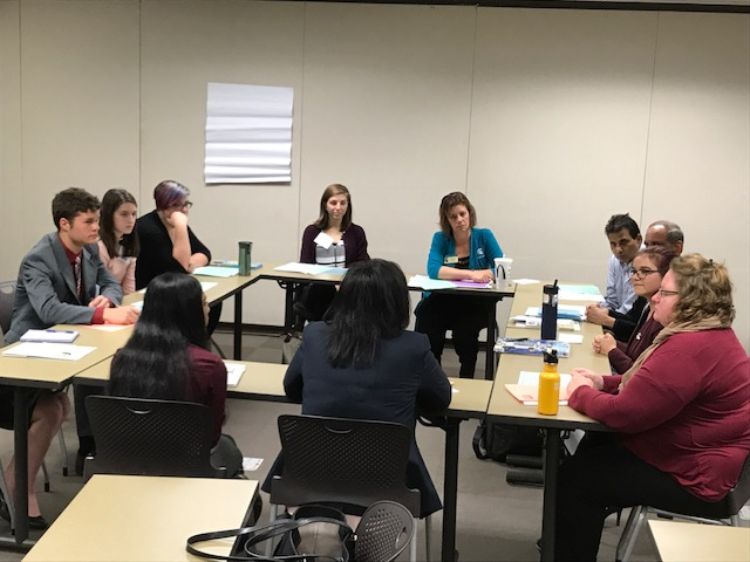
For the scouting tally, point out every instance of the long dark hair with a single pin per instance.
(154, 362)
(110, 203)
(323, 219)
(372, 304)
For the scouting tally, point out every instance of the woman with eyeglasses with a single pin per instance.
(168, 243)
(681, 412)
(648, 269)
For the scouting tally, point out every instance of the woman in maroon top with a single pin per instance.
(682, 413)
(167, 358)
(332, 240)
(650, 265)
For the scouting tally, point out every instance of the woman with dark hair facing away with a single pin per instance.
(649, 267)
(459, 251)
(332, 240)
(167, 358)
(118, 244)
(362, 363)
(168, 243)
(681, 411)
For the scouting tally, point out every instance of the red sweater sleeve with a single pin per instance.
(208, 381)
(661, 388)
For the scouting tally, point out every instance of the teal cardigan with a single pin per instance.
(483, 251)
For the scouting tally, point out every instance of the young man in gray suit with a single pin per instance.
(58, 282)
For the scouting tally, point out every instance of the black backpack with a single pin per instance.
(498, 440)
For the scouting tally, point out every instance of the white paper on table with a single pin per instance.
(251, 464)
(66, 351)
(570, 338)
(564, 296)
(216, 271)
(50, 336)
(323, 240)
(566, 309)
(525, 281)
(531, 378)
(234, 372)
(108, 327)
(428, 284)
(206, 285)
(306, 268)
(137, 305)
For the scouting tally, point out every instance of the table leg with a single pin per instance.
(489, 360)
(551, 462)
(238, 326)
(450, 490)
(21, 452)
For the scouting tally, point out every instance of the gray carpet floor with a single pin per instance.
(496, 521)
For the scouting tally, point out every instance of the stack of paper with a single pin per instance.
(526, 390)
(428, 284)
(310, 269)
(531, 346)
(569, 311)
(216, 271)
(536, 322)
(234, 372)
(66, 351)
(51, 336)
(588, 293)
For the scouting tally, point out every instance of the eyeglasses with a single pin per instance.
(642, 272)
(665, 293)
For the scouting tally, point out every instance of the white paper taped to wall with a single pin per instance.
(248, 134)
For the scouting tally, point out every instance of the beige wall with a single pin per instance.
(551, 120)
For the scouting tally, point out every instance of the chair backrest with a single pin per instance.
(356, 462)
(150, 437)
(385, 530)
(740, 494)
(7, 296)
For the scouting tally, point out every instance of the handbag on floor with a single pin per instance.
(316, 533)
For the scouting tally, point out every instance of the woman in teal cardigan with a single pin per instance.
(459, 251)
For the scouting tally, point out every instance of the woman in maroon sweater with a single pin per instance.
(332, 240)
(167, 358)
(649, 267)
(682, 412)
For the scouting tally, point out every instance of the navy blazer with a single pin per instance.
(405, 379)
(46, 290)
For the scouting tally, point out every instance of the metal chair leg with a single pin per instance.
(272, 516)
(46, 476)
(413, 545)
(63, 451)
(630, 533)
(427, 538)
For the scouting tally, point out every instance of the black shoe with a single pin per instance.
(38, 523)
(4, 512)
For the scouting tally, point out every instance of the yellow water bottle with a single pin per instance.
(549, 385)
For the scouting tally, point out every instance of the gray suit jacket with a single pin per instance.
(46, 290)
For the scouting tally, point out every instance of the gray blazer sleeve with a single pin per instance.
(108, 286)
(37, 275)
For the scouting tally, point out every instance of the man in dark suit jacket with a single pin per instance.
(58, 282)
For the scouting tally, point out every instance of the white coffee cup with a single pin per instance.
(502, 271)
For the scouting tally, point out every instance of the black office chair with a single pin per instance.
(731, 505)
(384, 531)
(150, 437)
(344, 461)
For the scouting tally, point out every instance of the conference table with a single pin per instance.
(504, 408)
(264, 382)
(221, 289)
(290, 280)
(118, 518)
(694, 542)
(30, 375)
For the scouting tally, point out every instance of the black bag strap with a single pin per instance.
(479, 441)
(259, 534)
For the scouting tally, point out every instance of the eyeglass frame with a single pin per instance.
(642, 272)
(667, 293)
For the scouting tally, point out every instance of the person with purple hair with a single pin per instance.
(168, 243)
